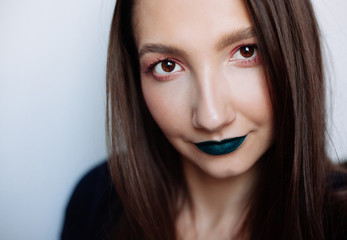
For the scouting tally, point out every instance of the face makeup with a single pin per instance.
(202, 79)
(223, 147)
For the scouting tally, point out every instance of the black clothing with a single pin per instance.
(95, 207)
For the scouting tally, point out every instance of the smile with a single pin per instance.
(223, 147)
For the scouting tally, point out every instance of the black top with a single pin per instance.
(95, 206)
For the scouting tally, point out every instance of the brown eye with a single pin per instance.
(168, 66)
(247, 51)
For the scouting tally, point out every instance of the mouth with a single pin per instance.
(220, 148)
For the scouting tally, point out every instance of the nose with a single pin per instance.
(212, 109)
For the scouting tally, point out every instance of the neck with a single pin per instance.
(217, 203)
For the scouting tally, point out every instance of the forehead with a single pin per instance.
(187, 22)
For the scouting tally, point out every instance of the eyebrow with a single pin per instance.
(235, 37)
(224, 42)
(160, 48)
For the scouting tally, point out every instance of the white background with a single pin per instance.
(52, 103)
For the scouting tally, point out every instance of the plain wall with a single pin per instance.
(332, 19)
(52, 106)
(52, 103)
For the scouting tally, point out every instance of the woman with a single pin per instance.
(216, 124)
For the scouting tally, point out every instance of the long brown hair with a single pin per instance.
(292, 189)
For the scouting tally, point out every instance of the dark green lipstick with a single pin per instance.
(223, 147)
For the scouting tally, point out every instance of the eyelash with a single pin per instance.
(154, 63)
(243, 63)
(247, 61)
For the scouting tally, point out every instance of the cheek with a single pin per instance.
(167, 104)
(252, 94)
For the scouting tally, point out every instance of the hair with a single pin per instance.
(293, 189)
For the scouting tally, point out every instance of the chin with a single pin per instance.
(225, 172)
(221, 167)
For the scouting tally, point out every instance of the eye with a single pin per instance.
(245, 52)
(166, 67)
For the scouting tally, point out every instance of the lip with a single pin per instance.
(220, 148)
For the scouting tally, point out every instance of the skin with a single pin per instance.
(212, 92)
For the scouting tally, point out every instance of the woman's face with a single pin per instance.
(203, 82)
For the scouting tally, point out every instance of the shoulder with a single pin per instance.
(336, 206)
(93, 207)
(338, 180)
